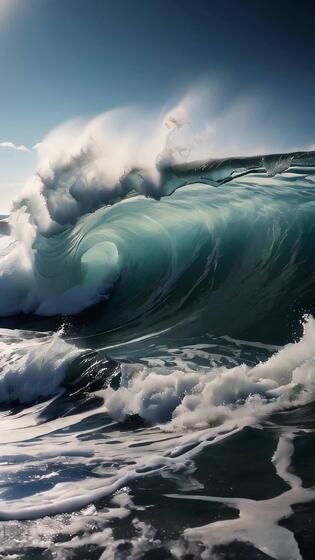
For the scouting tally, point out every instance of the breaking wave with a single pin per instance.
(118, 211)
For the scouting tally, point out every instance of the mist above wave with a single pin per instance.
(86, 163)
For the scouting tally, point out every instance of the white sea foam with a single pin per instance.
(192, 409)
(198, 399)
(32, 367)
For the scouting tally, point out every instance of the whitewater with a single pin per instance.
(157, 335)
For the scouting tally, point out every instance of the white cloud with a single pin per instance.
(19, 148)
(13, 146)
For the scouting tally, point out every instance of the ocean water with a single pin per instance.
(157, 362)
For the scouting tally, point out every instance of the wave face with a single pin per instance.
(149, 332)
(227, 253)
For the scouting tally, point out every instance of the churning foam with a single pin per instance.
(190, 400)
(192, 410)
(32, 367)
(35, 366)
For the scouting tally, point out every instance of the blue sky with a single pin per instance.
(64, 58)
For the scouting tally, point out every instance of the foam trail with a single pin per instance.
(258, 520)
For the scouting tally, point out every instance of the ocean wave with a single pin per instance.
(115, 221)
(224, 258)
